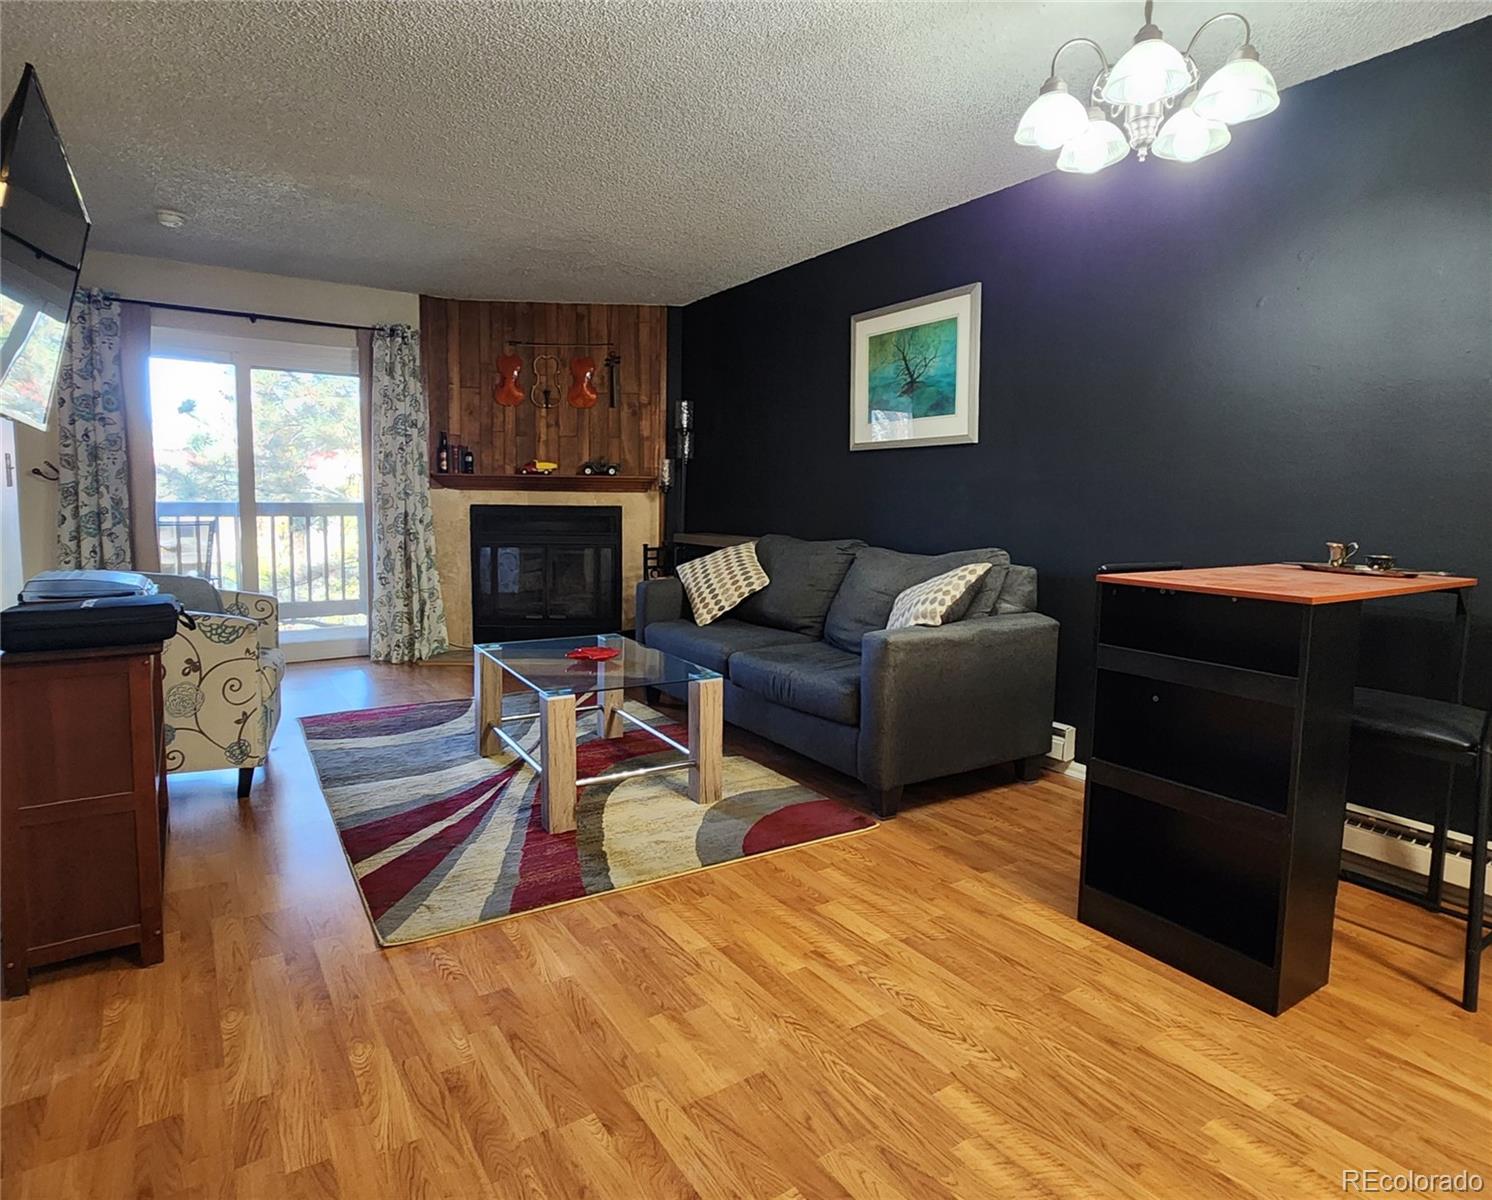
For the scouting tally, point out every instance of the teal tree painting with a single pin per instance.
(914, 371)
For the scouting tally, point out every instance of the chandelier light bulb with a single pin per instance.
(1100, 145)
(1240, 90)
(1186, 137)
(1054, 118)
(1150, 71)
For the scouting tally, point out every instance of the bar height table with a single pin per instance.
(1216, 791)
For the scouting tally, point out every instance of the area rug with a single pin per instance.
(441, 839)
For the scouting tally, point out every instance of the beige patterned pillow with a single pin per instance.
(718, 582)
(934, 601)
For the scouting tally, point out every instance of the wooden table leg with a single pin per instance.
(557, 760)
(608, 719)
(706, 733)
(487, 692)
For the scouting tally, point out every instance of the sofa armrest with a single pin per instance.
(658, 600)
(936, 700)
(263, 608)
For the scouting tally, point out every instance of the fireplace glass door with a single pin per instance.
(544, 572)
(519, 592)
(575, 575)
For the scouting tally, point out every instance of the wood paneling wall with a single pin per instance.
(460, 343)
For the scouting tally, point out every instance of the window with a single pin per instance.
(259, 475)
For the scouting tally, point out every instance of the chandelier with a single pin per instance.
(1141, 91)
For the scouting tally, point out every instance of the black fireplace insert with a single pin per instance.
(545, 571)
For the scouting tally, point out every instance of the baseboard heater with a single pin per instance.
(1405, 844)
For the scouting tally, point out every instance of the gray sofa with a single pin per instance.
(808, 662)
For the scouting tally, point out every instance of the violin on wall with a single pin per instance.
(546, 389)
(582, 392)
(507, 392)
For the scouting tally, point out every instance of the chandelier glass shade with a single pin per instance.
(1187, 136)
(1149, 71)
(1136, 101)
(1100, 145)
(1238, 91)
(1054, 118)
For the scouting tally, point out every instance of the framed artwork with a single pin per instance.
(914, 376)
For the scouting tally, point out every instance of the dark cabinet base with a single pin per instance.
(1201, 957)
(1212, 825)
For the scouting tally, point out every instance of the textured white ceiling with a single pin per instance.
(633, 150)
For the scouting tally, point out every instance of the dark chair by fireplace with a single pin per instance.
(545, 571)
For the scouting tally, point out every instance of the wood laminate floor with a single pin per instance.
(913, 1012)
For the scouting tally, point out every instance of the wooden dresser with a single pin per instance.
(82, 806)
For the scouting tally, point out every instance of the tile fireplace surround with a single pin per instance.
(452, 508)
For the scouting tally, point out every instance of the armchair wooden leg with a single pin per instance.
(885, 801)
(245, 781)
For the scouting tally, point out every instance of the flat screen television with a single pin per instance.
(43, 232)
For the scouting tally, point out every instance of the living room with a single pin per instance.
(508, 699)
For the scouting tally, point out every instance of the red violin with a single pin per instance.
(582, 392)
(507, 392)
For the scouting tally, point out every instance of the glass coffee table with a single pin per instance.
(561, 683)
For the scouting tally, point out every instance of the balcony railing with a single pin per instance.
(309, 556)
(199, 538)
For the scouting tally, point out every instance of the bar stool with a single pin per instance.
(1446, 733)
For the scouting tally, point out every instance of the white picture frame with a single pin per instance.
(914, 372)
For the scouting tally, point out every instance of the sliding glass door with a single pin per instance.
(259, 478)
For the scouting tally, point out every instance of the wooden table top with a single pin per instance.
(1288, 584)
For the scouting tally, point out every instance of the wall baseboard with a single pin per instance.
(1073, 770)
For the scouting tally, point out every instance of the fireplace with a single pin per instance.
(540, 570)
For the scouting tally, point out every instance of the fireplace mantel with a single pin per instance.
(545, 483)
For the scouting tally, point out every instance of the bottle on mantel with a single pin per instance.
(468, 460)
(443, 456)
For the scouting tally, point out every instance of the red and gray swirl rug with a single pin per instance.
(440, 839)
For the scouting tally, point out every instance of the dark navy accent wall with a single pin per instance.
(1230, 361)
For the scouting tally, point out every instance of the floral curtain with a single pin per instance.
(408, 621)
(93, 522)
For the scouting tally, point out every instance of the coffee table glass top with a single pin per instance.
(544, 666)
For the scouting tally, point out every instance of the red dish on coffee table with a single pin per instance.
(593, 653)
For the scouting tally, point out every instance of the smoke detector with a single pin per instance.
(170, 218)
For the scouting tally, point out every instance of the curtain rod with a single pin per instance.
(247, 316)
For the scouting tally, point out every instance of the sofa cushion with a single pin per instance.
(818, 679)
(1019, 592)
(879, 576)
(718, 582)
(712, 645)
(804, 577)
(940, 600)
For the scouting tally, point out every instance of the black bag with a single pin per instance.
(86, 624)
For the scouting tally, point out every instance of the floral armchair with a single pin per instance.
(222, 685)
